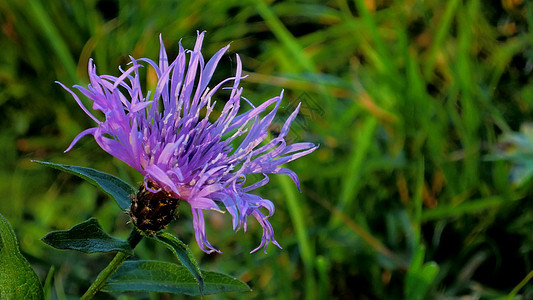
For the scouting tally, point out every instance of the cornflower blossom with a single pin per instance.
(167, 136)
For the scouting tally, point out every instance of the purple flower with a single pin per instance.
(168, 136)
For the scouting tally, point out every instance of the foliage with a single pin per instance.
(411, 101)
(86, 237)
(17, 279)
(160, 276)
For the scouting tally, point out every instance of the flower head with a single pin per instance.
(168, 136)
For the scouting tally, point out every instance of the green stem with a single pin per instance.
(134, 238)
(519, 286)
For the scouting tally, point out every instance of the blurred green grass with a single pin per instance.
(406, 98)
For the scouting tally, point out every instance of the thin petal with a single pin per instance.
(79, 136)
(199, 229)
(79, 102)
(158, 175)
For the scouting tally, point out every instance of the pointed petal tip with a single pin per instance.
(211, 250)
(218, 210)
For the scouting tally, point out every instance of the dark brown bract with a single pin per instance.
(151, 212)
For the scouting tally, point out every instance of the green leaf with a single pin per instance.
(17, 278)
(115, 187)
(88, 237)
(157, 276)
(420, 276)
(184, 255)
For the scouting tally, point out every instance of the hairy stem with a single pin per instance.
(134, 238)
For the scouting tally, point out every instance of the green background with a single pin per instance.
(422, 109)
